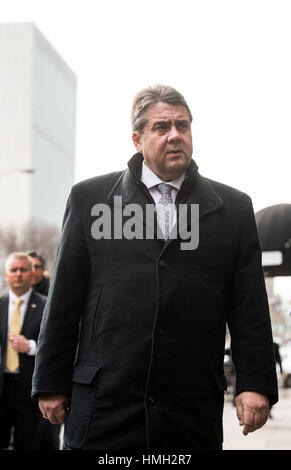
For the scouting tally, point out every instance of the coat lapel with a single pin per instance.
(132, 191)
(4, 317)
(29, 316)
(198, 191)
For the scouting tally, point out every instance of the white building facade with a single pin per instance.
(37, 128)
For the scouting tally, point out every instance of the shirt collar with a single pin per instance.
(24, 297)
(150, 179)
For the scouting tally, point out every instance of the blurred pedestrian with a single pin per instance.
(20, 316)
(40, 280)
(278, 358)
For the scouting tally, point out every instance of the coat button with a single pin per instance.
(151, 400)
(162, 263)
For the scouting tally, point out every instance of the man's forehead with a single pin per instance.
(18, 263)
(165, 111)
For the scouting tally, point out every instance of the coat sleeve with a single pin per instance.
(249, 318)
(59, 331)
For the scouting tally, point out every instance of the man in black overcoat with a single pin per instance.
(153, 263)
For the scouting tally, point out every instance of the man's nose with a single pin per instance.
(173, 134)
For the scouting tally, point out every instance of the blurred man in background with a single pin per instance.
(20, 317)
(40, 280)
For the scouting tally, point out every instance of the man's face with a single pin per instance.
(19, 275)
(166, 140)
(37, 271)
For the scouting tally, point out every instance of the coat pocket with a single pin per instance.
(84, 372)
(85, 385)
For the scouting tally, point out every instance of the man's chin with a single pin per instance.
(19, 289)
(176, 166)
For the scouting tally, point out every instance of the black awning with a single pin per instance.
(274, 228)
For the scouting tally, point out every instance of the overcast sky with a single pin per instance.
(229, 58)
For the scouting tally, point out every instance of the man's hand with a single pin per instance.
(252, 410)
(54, 407)
(20, 343)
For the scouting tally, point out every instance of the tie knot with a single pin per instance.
(18, 301)
(165, 189)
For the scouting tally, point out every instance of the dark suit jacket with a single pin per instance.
(30, 329)
(135, 329)
(43, 286)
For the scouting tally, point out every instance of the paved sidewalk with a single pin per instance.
(274, 435)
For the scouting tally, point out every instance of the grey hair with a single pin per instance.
(17, 255)
(150, 95)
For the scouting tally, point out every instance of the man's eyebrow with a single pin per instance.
(168, 121)
(183, 121)
(161, 121)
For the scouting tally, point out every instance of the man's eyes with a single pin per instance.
(180, 126)
(22, 270)
(162, 126)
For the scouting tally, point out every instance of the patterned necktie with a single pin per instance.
(165, 209)
(12, 358)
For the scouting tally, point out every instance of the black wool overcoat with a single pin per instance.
(134, 329)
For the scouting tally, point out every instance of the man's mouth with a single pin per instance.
(174, 152)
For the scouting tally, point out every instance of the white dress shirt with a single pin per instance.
(151, 180)
(23, 308)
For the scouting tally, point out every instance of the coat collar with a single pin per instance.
(4, 301)
(194, 190)
(32, 306)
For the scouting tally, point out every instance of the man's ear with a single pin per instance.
(136, 138)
